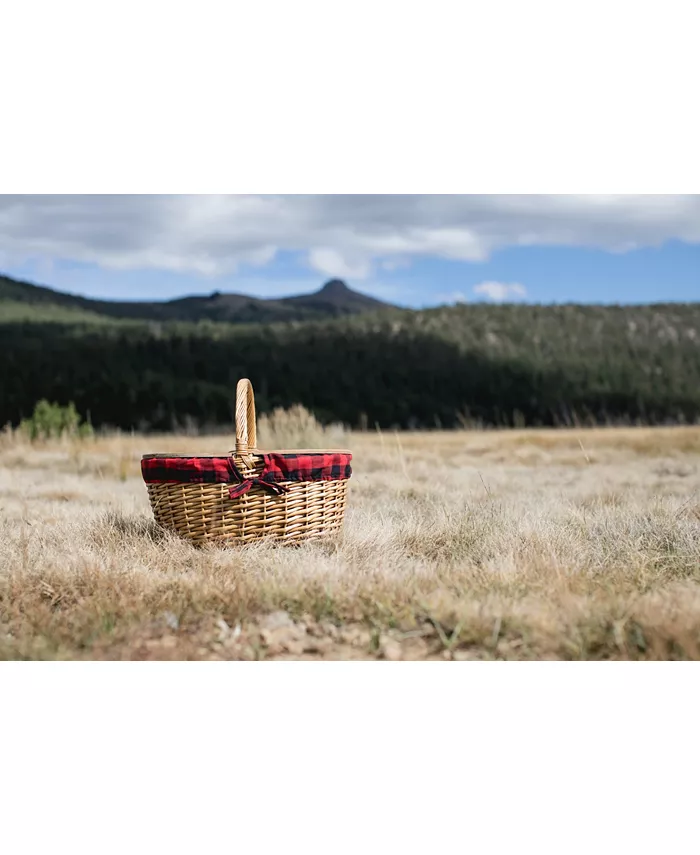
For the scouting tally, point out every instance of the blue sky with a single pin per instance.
(547, 275)
(411, 251)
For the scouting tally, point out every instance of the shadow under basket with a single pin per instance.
(249, 495)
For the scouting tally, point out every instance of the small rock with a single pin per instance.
(355, 635)
(296, 648)
(289, 638)
(275, 620)
(414, 649)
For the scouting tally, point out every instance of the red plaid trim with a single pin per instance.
(277, 469)
(306, 467)
(192, 470)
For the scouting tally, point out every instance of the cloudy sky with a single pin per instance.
(411, 250)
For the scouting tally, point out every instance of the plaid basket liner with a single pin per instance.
(277, 469)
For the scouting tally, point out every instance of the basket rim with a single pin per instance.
(257, 452)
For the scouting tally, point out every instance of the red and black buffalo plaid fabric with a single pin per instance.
(277, 469)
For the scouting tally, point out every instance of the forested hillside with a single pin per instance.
(501, 365)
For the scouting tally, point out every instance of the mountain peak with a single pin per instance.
(333, 299)
(334, 287)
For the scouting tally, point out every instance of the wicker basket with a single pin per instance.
(249, 494)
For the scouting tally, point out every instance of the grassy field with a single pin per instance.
(577, 544)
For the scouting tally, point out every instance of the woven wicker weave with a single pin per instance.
(206, 512)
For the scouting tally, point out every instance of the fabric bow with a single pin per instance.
(243, 485)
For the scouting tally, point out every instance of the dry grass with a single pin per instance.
(577, 544)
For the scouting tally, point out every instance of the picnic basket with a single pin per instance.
(249, 494)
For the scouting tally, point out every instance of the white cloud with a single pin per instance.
(453, 297)
(394, 263)
(500, 291)
(332, 263)
(339, 235)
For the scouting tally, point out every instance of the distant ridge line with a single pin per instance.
(333, 299)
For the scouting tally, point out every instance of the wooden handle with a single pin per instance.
(246, 438)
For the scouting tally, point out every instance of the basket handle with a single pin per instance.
(246, 438)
